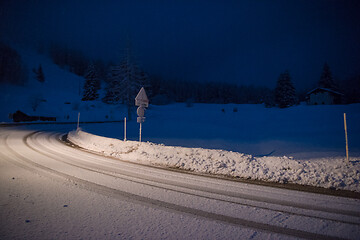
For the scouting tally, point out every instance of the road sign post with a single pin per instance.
(140, 132)
(125, 129)
(346, 139)
(78, 122)
(142, 102)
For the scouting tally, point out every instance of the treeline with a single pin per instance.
(164, 92)
(71, 59)
(159, 90)
(12, 68)
(351, 89)
(122, 80)
(74, 60)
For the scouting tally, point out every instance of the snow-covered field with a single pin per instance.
(300, 131)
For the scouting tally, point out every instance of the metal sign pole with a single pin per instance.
(346, 139)
(78, 123)
(140, 132)
(125, 129)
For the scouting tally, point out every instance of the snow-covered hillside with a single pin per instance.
(59, 96)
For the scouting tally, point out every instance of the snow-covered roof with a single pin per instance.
(325, 90)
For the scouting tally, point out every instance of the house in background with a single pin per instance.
(324, 96)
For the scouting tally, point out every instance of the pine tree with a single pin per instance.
(143, 80)
(92, 84)
(285, 95)
(125, 81)
(326, 79)
(40, 74)
(12, 68)
(133, 78)
(114, 89)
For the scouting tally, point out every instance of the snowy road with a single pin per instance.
(50, 190)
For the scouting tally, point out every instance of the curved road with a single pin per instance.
(52, 190)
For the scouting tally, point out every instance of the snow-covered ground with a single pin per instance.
(332, 172)
(300, 131)
(303, 144)
(52, 191)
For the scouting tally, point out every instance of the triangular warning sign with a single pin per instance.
(141, 98)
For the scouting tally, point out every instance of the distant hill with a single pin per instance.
(58, 96)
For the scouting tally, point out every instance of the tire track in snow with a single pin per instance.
(95, 168)
(261, 199)
(115, 193)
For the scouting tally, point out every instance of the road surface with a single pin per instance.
(50, 190)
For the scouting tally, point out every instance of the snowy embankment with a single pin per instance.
(321, 172)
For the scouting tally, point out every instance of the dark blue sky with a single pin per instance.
(243, 42)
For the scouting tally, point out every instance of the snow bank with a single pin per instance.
(321, 172)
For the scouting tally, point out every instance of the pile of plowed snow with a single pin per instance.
(322, 172)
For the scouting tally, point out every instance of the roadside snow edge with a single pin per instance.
(320, 172)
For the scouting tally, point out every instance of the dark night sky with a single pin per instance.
(244, 42)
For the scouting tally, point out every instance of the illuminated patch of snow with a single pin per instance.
(322, 172)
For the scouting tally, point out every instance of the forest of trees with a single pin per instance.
(121, 82)
(71, 59)
(164, 91)
(92, 84)
(12, 69)
(351, 89)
